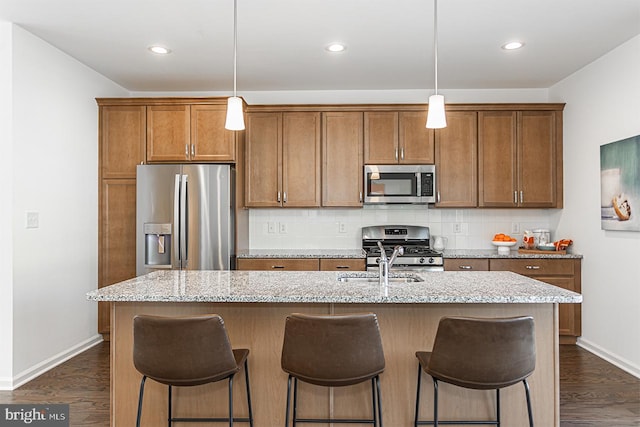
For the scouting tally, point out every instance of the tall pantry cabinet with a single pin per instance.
(122, 139)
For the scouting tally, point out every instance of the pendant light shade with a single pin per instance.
(235, 115)
(436, 118)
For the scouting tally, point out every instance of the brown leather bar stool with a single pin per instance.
(333, 351)
(187, 351)
(482, 354)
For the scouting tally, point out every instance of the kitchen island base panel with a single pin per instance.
(405, 329)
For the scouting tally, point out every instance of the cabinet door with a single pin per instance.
(497, 169)
(117, 232)
(263, 160)
(381, 138)
(278, 264)
(168, 133)
(122, 140)
(569, 315)
(210, 141)
(466, 264)
(416, 141)
(342, 264)
(537, 159)
(301, 160)
(457, 161)
(342, 172)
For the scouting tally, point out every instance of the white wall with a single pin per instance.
(603, 105)
(55, 158)
(6, 209)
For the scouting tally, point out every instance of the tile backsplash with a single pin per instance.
(341, 228)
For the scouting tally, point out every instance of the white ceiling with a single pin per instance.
(281, 42)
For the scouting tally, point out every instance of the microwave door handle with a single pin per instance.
(184, 230)
(419, 185)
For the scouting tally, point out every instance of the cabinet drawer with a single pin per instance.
(279, 264)
(466, 264)
(328, 264)
(534, 266)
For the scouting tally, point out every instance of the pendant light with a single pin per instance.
(235, 116)
(436, 118)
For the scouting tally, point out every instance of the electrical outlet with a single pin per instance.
(283, 228)
(342, 227)
(515, 227)
(271, 227)
(33, 220)
(457, 228)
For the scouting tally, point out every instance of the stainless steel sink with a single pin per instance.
(374, 278)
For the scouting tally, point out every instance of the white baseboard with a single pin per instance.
(42, 367)
(621, 363)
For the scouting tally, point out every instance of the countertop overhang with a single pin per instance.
(449, 287)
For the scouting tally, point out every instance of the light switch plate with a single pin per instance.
(271, 227)
(33, 220)
(283, 228)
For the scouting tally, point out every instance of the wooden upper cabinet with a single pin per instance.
(122, 140)
(301, 160)
(342, 159)
(168, 133)
(538, 169)
(417, 143)
(263, 151)
(457, 160)
(497, 159)
(210, 141)
(518, 164)
(397, 137)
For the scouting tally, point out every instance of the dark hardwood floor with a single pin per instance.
(593, 392)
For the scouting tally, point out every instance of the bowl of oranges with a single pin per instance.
(504, 242)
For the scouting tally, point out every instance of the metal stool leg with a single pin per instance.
(415, 422)
(169, 408)
(286, 418)
(435, 402)
(144, 378)
(379, 400)
(231, 401)
(246, 376)
(295, 401)
(498, 407)
(373, 403)
(526, 389)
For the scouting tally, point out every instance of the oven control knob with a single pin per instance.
(430, 260)
(421, 260)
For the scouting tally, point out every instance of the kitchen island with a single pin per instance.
(254, 305)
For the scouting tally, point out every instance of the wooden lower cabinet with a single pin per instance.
(564, 273)
(466, 264)
(279, 264)
(301, 264)
(342, 264)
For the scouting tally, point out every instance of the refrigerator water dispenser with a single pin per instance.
(157, 242)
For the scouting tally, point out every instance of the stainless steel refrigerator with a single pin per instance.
(184, 217)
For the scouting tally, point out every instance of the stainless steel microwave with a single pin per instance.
(399, 184)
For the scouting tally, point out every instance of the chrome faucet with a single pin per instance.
(385, 263)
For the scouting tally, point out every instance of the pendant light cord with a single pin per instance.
(435, 42)
(235, 44)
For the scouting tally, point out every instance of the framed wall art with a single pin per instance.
(620, 185)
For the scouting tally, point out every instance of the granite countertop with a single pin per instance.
(359, 253)
(301, 253)
(323, 287)
(493, 253)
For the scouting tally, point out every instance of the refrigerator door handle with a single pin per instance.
(176, 222)
(184, 230)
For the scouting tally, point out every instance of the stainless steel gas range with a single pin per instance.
(418, 254)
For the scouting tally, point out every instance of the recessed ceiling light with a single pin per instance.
(512, 45)
(160, 50)
(336, 47)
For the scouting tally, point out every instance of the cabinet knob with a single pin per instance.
(284, 197)
(465, 267)
(521, 197)
(396, 154)
(342, 267)
(402, 153)
(193, 149)
(278, 199)
(186, 150)
(515, 197)
(277, 266)
(361, 197)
